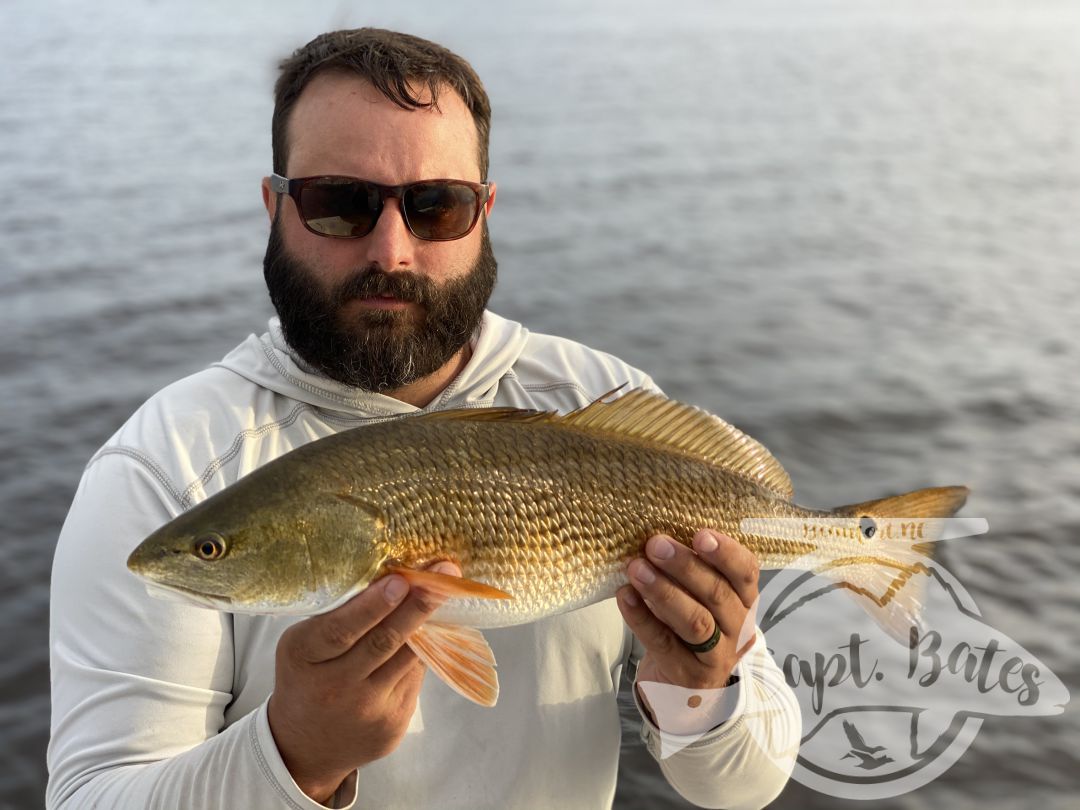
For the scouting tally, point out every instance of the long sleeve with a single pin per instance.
(140, 686)
(747, 760)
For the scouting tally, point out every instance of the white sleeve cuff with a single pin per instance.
(684, 716)
(745, 761)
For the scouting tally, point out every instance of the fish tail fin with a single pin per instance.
(890, 569)
(460, 656)
(932, 502)
(892, 596)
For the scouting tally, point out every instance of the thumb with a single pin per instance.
(447, 567)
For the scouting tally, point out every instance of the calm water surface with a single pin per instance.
(850, 227)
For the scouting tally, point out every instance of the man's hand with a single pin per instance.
(680, 596)
(346, 685)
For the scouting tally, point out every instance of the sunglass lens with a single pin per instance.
(340, 206)
(440, 210)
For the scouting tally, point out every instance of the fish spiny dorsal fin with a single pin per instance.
(654, 418)
(486, 415)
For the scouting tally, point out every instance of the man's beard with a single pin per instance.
(377, 350)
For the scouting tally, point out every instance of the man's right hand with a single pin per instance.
(346, 685)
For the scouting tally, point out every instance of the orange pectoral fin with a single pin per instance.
(461, 657)
(446, 585)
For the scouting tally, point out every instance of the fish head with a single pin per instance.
(248, 551)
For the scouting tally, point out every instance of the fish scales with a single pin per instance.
(542, 512)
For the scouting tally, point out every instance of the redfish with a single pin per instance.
(541, 511)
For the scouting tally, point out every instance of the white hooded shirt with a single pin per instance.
(157, 704)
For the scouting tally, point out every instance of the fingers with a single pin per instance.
(345, 685)
(717, 579)
(373, 624)
(692, 591)
(384, 641)
(331, 635)
(733, 560)
(683, 611)
(657, 637)
(399, 673)
(682, 596)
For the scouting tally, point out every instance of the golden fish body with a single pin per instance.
(548, 514)
(547, 509)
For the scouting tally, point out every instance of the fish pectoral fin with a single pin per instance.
(446, 585)
(461, 657)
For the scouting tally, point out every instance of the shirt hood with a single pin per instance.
(267, 360)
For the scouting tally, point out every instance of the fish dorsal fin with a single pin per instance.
(486, 415)
(654, 418)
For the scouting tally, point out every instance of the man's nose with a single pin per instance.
(391, 244)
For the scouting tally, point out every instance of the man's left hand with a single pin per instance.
(680, 596)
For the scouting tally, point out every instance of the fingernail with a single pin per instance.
(447, 568)
(642, 572)
(629, 597)
(395, 589)
(661, 548)
(705, 541)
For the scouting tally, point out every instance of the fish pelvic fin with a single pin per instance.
(461, 657)
(446, 585)
(890, 573)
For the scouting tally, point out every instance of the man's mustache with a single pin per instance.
(372, 282)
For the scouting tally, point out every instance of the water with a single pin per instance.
(849, 227)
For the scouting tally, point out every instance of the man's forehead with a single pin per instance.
(337, 109)
(341, 80)
(336, 89)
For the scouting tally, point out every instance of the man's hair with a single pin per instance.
(391, 62)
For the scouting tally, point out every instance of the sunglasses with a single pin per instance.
(348, 208)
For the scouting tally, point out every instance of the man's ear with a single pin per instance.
(270, 199)
(490, 200)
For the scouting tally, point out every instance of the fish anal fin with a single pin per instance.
(461, 657)
(449, 586)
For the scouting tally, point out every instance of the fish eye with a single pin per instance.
(210, 547)
(867, 527)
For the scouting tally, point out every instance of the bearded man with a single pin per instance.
(380, 268)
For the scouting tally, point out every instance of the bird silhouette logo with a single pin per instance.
(866, 754)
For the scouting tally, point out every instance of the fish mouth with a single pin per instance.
(187, 596)
(178, 594)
